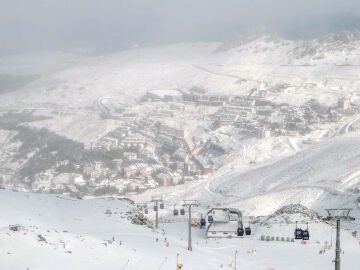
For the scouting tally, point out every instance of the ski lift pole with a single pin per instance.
(189, 204)
(157, 215)
(235, 259)
(156, 200)
(338, 214)
(189, 238)
(338, 249)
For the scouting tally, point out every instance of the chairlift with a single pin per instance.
(155, 208)
(248, 230)
(146, 211)
(162, 205)
(210, 219)
(240, 231)
(182, 211)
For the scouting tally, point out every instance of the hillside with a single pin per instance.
(331, 167)
(60, 232)
(83, 125)
(315, 68)
(83, 100)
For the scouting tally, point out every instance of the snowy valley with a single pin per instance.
(258, 124)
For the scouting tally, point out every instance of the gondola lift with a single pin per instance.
(210, 219)
(176, 212)
(298, 232)
(305, 233)
(202, 222)
(240, 231)
(248, 230)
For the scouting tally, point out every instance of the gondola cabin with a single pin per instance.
(298, 233)
(240, 231)
(305, 235)
(202, 222)
(210, 219)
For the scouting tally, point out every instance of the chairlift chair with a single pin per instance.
(161, 205)
(155, 208)
(182, 211)
(146, 211)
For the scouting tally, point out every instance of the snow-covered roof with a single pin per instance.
(165, 93)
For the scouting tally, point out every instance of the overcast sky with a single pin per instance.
(110, 25)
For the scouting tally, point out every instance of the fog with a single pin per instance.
(111, 25)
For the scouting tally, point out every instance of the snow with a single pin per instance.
(79, 233)
(329, 169)
(71, 87)
(181, 66)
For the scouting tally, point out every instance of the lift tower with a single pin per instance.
(189, 204)
(156, 200)
(338, 214)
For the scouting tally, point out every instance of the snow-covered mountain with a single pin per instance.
(68, 96)
(313, 177)
(325, 68)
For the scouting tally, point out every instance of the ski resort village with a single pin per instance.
(173, 136)
(236, 155)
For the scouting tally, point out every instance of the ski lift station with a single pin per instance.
(225, 222)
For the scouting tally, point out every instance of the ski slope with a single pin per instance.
(329, 168)
(65, 233)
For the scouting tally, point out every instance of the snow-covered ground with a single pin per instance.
(64, 233)
(323, 176)
(325, 69)
(61, 232)
(70, 87)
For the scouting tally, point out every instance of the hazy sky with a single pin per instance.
(108, 25)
